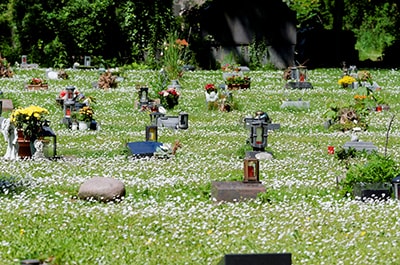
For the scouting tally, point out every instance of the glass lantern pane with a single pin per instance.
(259, 135)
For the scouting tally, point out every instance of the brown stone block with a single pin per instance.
(231, 191)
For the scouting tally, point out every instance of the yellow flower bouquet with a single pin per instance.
(29, 119)
(86, 114)
(346, 81)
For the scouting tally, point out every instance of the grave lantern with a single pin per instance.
(396, 187)
(294, 73)
(68, 108)
(143, 95)
(70, 92)
(87, 60)
(151, 133)
(251, 170)
(183, 120)
(302, 74)
(47, 133)
(298, 74)
(154, 117)
(258, 135)
(24, 60)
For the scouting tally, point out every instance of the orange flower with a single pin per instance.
(182, 42)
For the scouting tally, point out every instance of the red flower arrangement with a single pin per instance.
(210, 87)
(37, 81)
(169, 97)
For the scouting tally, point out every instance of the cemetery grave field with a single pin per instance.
(167, 215)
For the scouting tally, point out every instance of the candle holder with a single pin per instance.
(251, 170)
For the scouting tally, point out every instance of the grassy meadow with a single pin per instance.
(167, 216)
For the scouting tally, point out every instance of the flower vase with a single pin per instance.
(24, 145)
(74, 126)
(83, 125)
(171, 102)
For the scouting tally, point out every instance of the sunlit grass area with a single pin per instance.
(167, 216)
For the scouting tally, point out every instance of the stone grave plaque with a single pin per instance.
(257, 259)
(296, 104)
(6, 105)
(232, 191)
(360, 146)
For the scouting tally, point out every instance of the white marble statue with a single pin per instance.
(39, 150)
(11, 137)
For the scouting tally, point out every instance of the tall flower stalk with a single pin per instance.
(174, 56)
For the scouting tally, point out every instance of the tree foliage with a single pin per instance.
(374, 22)
(57, 33)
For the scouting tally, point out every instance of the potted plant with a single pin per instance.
(234, 82)
(169, 97)
(212, 96)
(37, 84)
(85, 118)
(346, 81)
(369, 178)
(226, 102)
(29, 122)
(174, 56)
(344, 117)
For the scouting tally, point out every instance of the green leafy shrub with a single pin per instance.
(376, 168)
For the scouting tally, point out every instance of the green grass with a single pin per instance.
(167, 216)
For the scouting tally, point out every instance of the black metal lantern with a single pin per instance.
(151, 133)
(70, 92)
(154, 117)
(251, 170)
(47, 133)
(396, 187)
(258, 135)
(183, 121)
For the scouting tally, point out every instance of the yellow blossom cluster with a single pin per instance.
(346, 80)
(29, 119)
(25, 115)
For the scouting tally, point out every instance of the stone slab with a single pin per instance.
(257, 259)
(7, 105)
(296, 104)
(360, 146)
(234, 191)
